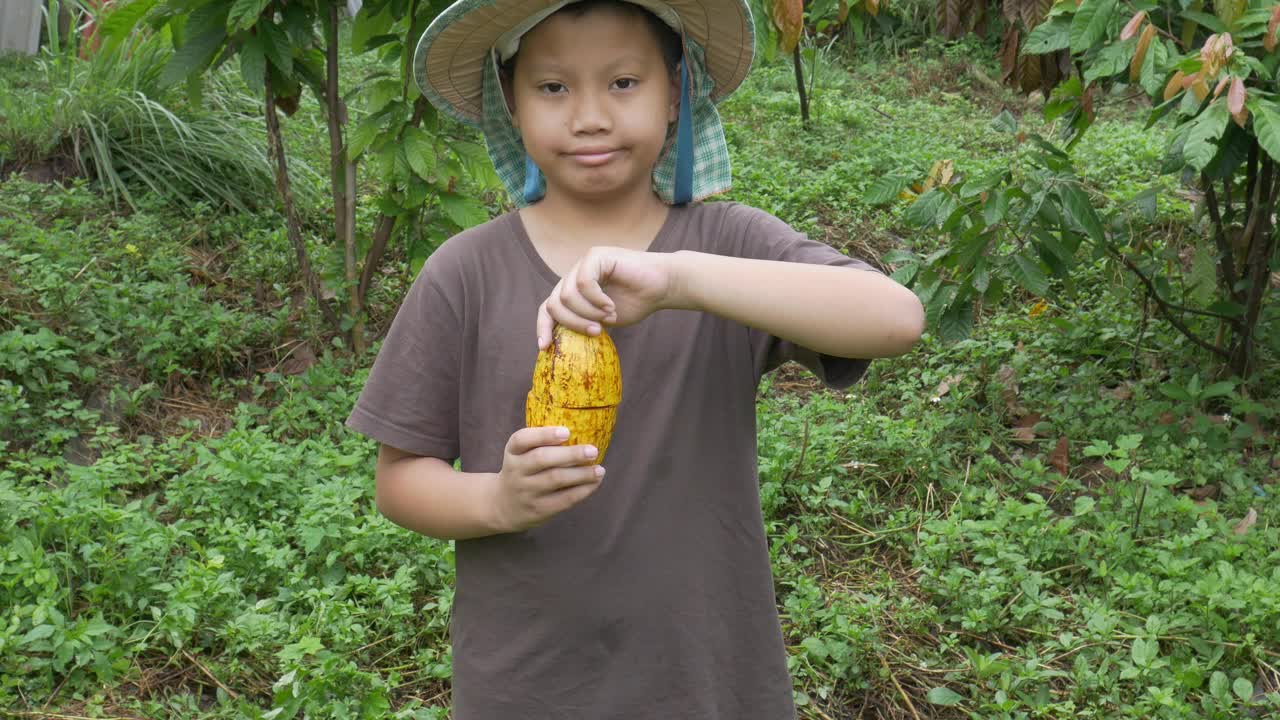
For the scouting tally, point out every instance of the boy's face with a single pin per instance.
(592, 99)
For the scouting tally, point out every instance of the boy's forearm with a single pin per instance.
(838, 311)
(428, 496)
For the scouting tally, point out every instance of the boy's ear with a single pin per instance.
(509, 96)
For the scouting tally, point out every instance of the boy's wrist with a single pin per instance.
(681, 272)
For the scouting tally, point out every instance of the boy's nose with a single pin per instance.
(590, 114)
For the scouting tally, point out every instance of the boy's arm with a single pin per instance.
(426, 495)
(837, 311)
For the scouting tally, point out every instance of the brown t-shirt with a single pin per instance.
(653, 598)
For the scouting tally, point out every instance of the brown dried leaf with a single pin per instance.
(1086, 103)
(945, 387)
(1008, 378)
(1024, 430)
(1131, 27)
(1204, 492)
(873, 7)
(1249, 520)
(1060, 458)
(1140, 54)
(788, 17)
(844, 10)
(302, 358)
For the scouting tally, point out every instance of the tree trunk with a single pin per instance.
(275, 147)
(1260, 239)
(342, 178)
(804, 99)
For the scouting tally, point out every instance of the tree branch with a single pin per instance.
(1166, 308)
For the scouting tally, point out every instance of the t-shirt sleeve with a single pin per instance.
(766, 237)
(410, 400)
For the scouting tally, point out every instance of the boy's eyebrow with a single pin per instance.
(554, 66)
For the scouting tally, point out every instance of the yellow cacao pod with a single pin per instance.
(577, 383)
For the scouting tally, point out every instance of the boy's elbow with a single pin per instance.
(906, 324)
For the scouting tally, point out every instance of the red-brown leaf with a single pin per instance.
(788, 17)
(1269, 42)
(1131, 27)
(1139, 55)
(1235, 102)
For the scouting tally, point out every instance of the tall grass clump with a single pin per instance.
(109, 117)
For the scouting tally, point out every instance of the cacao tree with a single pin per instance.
(1212, 78)
(280, 53)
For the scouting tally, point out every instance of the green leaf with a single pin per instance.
(1113, 58)
(204, 33)
(1048, 37)
(120, 20)
(299, 23)
(956, 322)
(39, 632)
(944, 696)
(464, 211)
(367, 26)
(1005, 122)
(420, 151)
(244, 13)
(1266, 123)
(363, 135)
(1205, 20)
(253, 64)
(1089, 24)
(275, 44)
(886, 188)
(1152, 78)
(1243, 689)
(996, 207)
(1219, 684)
(1028, 274)
(1080, 211)
(1202, 140)
(923, 212)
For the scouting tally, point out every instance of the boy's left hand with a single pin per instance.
(608, 286)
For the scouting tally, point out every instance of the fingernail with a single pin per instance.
(562, 433)
(599, 471)
(539, 342)
(593, 328)
(590, 451)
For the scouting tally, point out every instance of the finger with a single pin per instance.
(543, 326)
(557, 480)
(572, 297)
(549, 457)
(561, 500)
(526, 439)
(562, 315)
(588, 282)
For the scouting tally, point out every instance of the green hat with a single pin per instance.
(456, 67)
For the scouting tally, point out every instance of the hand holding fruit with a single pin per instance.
(608, 286)
(542, 477)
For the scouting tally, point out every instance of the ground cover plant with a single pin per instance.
(1070, 512)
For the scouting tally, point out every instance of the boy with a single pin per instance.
(646, 594)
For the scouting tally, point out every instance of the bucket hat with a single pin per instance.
(456, 67)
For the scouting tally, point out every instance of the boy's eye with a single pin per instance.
(551, 88)
(625, 83)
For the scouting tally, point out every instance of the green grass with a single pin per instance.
(187, 530)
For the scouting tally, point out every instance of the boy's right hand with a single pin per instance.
(542, 477)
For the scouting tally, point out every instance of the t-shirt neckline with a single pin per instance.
(658, 244)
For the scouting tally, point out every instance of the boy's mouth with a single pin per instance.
(593, 156)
